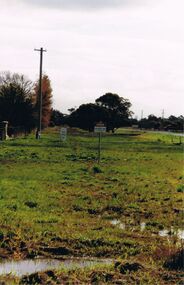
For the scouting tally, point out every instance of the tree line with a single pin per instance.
(19, 106)
(172, 123)
(114, 112)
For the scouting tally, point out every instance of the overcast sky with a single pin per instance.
(134, 48)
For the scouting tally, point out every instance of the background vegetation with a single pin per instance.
(18, 102)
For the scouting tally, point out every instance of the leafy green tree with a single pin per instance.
(17, 100)
(157, 123)
(117, 108)
(86, 116)
(152, 122)
(175, 123)
(57, 118)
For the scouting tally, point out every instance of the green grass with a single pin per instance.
(54, 193)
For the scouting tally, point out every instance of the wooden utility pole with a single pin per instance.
(39, 98)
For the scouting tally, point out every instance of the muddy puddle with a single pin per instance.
(27, 267)
(142, 227)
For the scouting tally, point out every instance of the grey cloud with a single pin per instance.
(83, 4)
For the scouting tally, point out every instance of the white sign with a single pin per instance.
(100, 128)
(63, 134)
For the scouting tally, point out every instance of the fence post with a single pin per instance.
(3, 130)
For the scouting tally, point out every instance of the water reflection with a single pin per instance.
(25, 267)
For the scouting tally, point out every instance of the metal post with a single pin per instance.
(99, 147)
(39, 99)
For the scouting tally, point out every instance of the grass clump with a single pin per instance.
(180, 189)
(97, 169)
(31, 204)
(123, 268)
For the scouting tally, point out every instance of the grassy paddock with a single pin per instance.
(55, 199)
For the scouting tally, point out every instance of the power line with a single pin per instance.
(39, 99)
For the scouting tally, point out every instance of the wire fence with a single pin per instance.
(8, 131)
(14, 132)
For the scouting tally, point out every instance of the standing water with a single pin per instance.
(27, 267)
(179, 233)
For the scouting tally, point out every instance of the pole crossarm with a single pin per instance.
(44, 50)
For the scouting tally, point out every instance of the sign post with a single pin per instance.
(63, 134)
(99, 128)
